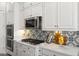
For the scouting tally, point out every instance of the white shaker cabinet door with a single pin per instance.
(50, 15)
(31, 51)
(27, 5)
(36, 3)
(9, 17)
(66, 15)
(48, 52)
(37, 10)
(27, 12)
(15, 48)
(19, 49)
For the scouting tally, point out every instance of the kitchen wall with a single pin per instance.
(73, 36)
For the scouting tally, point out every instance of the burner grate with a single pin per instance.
(33, 41)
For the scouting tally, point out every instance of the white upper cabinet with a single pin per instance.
(60, 16)
(27, 4)
(66, 16)
(30, 4)
(33, 9)
(50, 16)
(2, 6)
(36, 3)
(27, 12)
(55, 15)
(37, 10)
(10, 13)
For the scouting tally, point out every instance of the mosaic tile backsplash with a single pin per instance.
(73, 36)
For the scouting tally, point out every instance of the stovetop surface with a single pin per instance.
(32, 41)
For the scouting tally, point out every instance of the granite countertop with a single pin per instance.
(74, 51)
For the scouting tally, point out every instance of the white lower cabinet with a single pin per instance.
(27, 50)
(30, 51)
(23, 50)
(15, 48)
(47, 52)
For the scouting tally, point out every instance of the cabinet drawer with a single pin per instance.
(44, 52)
(60, 54)
(47, 52)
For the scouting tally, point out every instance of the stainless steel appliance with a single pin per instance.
(34, 22)
(9, 37)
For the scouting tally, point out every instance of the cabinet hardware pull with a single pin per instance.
(55, 25)
(28, 48)
(23, 50)
(54, 55)
(39, 50)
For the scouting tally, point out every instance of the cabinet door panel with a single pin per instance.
(47, 52)
(30, 51)
(27, 12)
(25, 50)
(50, 15)
(27, 5)
(10, 17)
(37, 10)
(20, 52)
(9, 13)
(19, 49)
(36, 3)
(65, 14)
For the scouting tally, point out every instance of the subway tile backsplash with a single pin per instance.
(73, 36)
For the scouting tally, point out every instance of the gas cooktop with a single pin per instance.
(32, 41)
